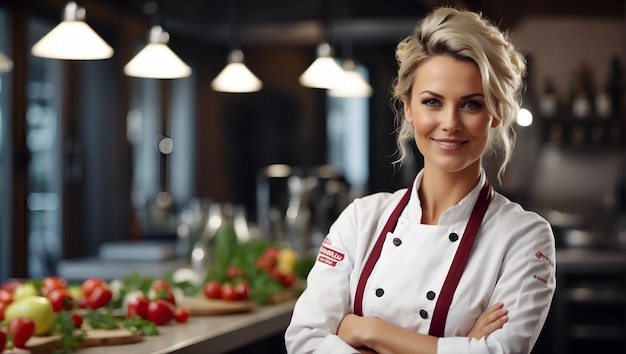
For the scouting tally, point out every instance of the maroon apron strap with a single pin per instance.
(438, 323)
(378, 247)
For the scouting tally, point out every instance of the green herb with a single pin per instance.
(146, 327)
(101, 319)
(71, 337)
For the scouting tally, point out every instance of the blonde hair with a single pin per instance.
(464, 35)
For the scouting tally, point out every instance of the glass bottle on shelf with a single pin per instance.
(548, 101)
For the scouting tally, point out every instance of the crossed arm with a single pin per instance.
(372, 335)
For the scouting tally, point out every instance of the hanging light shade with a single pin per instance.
(6, 64)
(324, 72)
(156, 60)
(352, 83)
(72, 39)
(236, 77)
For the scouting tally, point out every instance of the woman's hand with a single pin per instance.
(490, 320)
(350, 328)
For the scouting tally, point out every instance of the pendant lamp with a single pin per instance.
(352, 83)
(6, 64)
(156, 60)
(72, 39)
(324, 72)
(236, 77)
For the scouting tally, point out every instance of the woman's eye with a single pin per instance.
(430, 102)
(472, 105)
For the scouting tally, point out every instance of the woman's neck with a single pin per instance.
(441, 190)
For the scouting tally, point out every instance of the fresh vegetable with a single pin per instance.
(98, 296)
(3, 341)
(242, 290)
(21, 330)
(48, 284)
(137, 307)
(3, 307)
(213, 289)
(142, 325)
(100, 319)
(228, 292)
(6, 296)
(37, 308)
(181, 314)
(24, 290)
(160, 312)
(68, 326)
(61, 299)
(89, 285)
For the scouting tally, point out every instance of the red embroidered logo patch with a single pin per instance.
(329, 256)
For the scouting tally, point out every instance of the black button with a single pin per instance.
(423, 314)
(397, 241)
(453, 237)
(430, 295)
(380, 292)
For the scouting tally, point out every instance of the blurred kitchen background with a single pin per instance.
(96, 159)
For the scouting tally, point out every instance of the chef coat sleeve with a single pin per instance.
(326, 300)
(526, 285)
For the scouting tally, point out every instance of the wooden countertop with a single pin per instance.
(210, 334)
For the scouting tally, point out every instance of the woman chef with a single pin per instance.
(412, 271)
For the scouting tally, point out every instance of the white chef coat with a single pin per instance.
(512, 261)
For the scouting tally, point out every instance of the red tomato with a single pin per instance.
(181, 315)
(77, 319)
(99, 296)
(3, 307)
(52, 283)
(82, 302)
(160, 312)
(139, 307)
(6, 296)
(212, 289)
(288, 280)
(3, 341)
(228, 292)
(21, 330)
(159, 284)
(233, 272)
(61, 299)
(10, 285)
(242, 290)
(90, 284)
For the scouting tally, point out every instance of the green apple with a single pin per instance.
(37, 308)
(24, 290)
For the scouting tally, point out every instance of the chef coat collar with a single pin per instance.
(453, 215)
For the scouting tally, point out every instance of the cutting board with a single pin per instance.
(201, 306)
(95, 337)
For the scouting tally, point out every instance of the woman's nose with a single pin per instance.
(451, 120)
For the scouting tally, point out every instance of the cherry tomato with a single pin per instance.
(160, 312)
(181, 314)
(228, 292)
(52, 283)
(99, 296)
(10, 285)
(139, 307)
(61, 299)
(3, 341)
(288, 280)
(21, 330)
(159, 284)
(77, 319)
(242, 290)
(233, 272)
(212, 289)
(6, 296)
(90, 284)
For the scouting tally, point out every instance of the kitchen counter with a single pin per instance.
(210, 334)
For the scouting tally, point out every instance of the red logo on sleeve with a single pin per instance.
(329, 256)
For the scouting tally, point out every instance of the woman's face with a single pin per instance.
(448, 114)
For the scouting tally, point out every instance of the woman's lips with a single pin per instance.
(450, 144)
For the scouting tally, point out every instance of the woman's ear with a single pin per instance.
(407, 111)
(494, 122)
